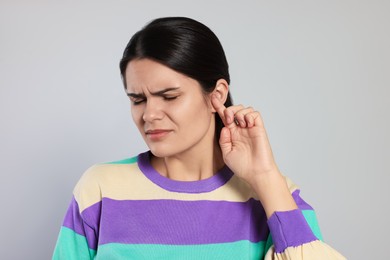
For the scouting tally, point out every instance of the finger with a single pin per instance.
(240, 116)
(226, 115)
(225, 141)
(219, 107)
(230, 112)
(258, 120)
(253, 118)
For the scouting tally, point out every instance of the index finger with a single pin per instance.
(220, 108)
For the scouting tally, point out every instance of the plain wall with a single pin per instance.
(318, 71)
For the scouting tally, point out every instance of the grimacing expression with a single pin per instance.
(169, 108)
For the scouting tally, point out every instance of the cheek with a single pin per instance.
(136, 114)
(191, 112)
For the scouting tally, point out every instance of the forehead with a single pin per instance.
(148, 75)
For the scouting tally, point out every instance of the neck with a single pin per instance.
(191, 165)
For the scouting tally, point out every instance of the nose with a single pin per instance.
(152, 111)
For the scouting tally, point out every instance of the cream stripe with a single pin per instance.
(126, 181)
(312, 250)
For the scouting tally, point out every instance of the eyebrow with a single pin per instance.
(157, 93)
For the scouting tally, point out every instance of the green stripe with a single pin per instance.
(235, 251)
(311, 219)
(269, 243)
(124, 161)
(71, 245)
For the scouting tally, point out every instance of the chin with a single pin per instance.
(162, 151)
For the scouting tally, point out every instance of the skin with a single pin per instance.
(247, 151)
(165, 99)
(185, 152)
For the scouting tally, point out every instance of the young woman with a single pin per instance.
(209, 187)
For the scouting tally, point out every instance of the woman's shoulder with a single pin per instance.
(99, 178)
(99, 171)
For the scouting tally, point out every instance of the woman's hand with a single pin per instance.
(244, 142)
(247, 152)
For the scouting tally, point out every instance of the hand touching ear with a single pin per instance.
(244, 142)
(247, 152)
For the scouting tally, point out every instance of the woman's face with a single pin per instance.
(170, 110)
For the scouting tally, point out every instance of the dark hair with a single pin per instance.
(186, 46)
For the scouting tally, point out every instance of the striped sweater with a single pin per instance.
(127, 210)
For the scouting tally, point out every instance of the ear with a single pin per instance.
(221, 91)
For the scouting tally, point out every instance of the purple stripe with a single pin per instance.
(206, 185)
(74, 221)
(289, 228)
(300, 202)
(180, 222)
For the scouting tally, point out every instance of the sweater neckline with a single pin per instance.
(205, 185)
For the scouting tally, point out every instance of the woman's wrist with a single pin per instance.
(273, 192)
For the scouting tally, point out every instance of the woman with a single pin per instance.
(209, 187)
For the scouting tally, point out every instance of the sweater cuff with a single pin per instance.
(289, 228)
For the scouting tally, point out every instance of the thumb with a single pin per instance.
(225, 141)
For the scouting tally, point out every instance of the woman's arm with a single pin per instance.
(76, 238)
(80, 230)
(247, 152)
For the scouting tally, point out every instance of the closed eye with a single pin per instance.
(137, 101)
(169, 97)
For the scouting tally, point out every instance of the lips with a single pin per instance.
(156, 134)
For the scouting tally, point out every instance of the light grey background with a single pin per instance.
(317, 70)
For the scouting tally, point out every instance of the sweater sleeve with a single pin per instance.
(78, 237)
(76, 240)
(296, 235)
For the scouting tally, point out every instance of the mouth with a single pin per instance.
(157, 134)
